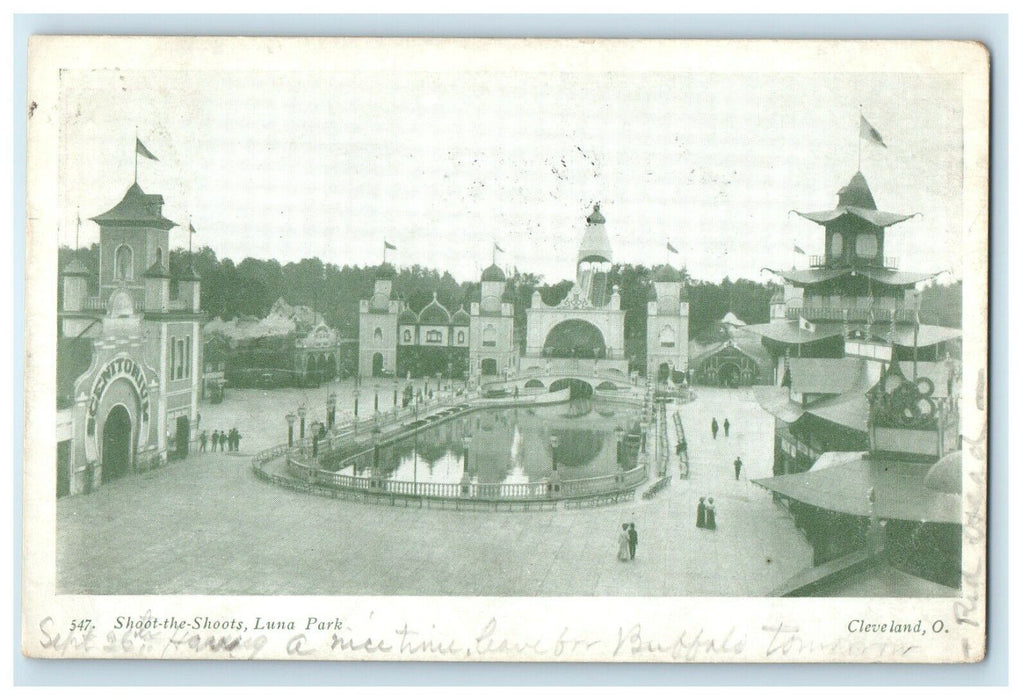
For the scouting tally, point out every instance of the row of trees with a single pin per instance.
(249, 288)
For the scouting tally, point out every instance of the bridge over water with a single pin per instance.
(583, 381)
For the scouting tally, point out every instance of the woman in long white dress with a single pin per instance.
(623, 543)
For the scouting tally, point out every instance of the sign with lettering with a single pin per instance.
(119, 367)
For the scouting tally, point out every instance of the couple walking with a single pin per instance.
(706, 513)
(627, 540)
(714, 428)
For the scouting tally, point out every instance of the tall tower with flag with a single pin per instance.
(129, 359)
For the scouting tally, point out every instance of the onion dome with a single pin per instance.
(493, 273)
(667, 273)
(596, 217)
(408, 317)
(461, 318)
(434, 314)
(75, 269)
(157, 270)
(385, 271)
(595, 246)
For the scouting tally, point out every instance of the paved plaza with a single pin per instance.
(206, 525)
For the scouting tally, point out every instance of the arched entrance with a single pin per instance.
(116, 444)
(575, 338)
(182, 437)
(488, 367)
(377, 364)
(579, 388)
(729, 374)
(662, 372)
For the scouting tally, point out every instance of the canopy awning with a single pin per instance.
(842, 482)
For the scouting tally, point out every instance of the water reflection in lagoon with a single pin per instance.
(509, 445)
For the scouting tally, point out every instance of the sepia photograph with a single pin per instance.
(506, 349)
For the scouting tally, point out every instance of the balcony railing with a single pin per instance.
(820, 261)
(100, 304)
(855, 314)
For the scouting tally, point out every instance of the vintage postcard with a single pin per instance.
(506, 350)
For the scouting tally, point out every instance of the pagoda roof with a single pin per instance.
(137, 208)
(776, 400)
(788, 331)
(855, 199)
(831, 375)
(889, 278)
(841, 481)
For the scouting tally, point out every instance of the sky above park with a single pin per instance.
(294, 164)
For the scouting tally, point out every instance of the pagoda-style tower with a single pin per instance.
(852, 299)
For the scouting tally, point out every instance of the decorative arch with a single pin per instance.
(123, 258)
(377, 335)
(667, 337)
(575, 337)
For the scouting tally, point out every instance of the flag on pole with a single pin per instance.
(671, 248)
(388, 246)
(798, 250)
(143, 150)
(191, 229)
(497, 247)
(870, 133)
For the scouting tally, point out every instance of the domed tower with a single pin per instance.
(377, 326)
(668, 325)
(594, 259)
(492, 348)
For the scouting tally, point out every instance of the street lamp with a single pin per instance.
(355, 404)
(396, 386)
(467, 444)
(330, 409)
(554, 442)
(376, 399)
(302, 412)
(290, 418)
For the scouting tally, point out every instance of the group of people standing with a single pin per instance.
(628, 538)
(219, 439)
(706, 513)
(714, 428)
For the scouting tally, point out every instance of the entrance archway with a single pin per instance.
(729, 374)
(575, 338)
(182, 437)
(377, 364)
(488, 367)
(116, 444)
(579, 388)
(662, 372)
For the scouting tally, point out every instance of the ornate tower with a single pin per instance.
(668, 325)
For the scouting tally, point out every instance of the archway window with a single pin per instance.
(575, 338)
(460, 337)
(489, 336)
(407, 336)
(866, 245)
(123, 263)
(433, 337)
(836, 245)
(377, 335)
(667, 337)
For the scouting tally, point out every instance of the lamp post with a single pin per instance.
(466, 478)
(302, 412)
(554, 482)
(355, 404)
(395, 392)
(376, 399)
(330, 409)
(290, 418)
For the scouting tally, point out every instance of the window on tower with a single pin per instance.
(667, 337)
(123, 263)
(866, 245)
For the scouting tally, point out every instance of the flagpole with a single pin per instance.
(859, 136)
(78, 225)
(135, 158)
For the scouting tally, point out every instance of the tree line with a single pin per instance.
(249, 288)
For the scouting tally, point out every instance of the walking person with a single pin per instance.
(714, 428)
(710, 514)
(725, 425)
(738, 464)
(701, 513)
(232, 439)
(239, 436)
(203, 441)
(623, 543)
(634, 539)
(223, 439)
